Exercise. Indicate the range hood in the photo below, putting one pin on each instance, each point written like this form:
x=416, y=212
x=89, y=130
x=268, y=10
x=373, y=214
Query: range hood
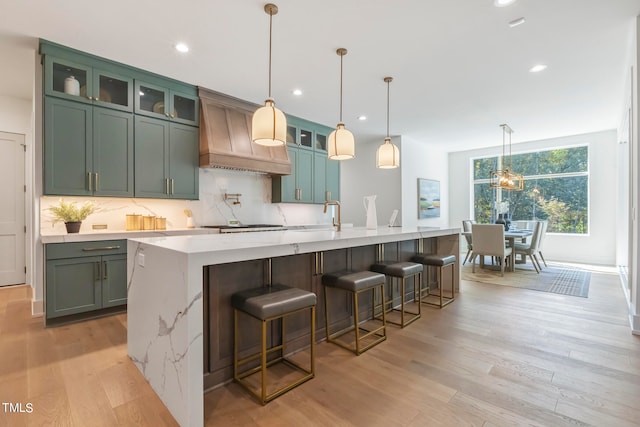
x=225, y=137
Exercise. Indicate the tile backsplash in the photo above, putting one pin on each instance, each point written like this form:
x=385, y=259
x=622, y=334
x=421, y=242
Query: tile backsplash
x=212, y=209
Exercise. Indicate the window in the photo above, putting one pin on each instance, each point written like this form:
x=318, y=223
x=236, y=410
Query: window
x=556, y=189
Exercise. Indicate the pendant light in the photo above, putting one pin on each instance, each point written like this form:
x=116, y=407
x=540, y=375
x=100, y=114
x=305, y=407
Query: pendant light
x=341, y=145
x=388, y=155
x=269, y=125
x=505, y=178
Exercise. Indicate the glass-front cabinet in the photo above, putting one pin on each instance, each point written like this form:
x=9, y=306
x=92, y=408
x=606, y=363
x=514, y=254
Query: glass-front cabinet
x=166, y=103
x=83, y=83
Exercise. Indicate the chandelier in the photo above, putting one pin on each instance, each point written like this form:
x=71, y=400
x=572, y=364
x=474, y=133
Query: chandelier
x=505, y=178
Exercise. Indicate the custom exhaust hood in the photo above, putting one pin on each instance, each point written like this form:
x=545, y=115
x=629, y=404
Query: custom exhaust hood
x=225, y=137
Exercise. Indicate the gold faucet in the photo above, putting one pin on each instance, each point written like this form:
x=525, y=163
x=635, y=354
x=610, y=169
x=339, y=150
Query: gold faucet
x=337, y=204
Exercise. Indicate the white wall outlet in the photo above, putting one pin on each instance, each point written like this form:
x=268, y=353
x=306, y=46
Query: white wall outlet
x=141, y=260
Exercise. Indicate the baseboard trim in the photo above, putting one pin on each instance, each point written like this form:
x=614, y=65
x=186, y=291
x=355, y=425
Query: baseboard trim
x=37, y=308
x=635, y=324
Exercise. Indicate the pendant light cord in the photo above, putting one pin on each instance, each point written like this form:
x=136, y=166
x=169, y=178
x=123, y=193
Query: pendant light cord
x=388, y=83
x=270, y=48
x=341, y=57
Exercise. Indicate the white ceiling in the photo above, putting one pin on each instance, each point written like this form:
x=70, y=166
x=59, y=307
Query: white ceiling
x=459, y=70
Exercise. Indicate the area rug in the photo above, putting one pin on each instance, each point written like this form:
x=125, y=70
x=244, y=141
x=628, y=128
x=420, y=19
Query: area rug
x=556, y=278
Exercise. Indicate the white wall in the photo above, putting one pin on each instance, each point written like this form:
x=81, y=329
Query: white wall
x=359, y=177
x=395, y=188
x=599, y=246
x=420, y=160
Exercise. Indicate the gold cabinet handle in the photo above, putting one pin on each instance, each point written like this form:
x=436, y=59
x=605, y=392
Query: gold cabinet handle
x=101, y=248
x=96, y=99
x=172, y=116
x=166, y=114
x=96, y=183
x=97, y=270
x=327, y=196
x=173, y=186
x=90, y=181
x=166, y=185
x=105, y=270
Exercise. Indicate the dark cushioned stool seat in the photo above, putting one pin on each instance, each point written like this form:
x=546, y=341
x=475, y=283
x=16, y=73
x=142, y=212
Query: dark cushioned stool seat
x=397, y=269
x=402, y=270
x=353, y=281
x=440, y=262
x=356, y=282
x=272, y=301
x=432, y=259
x=267, y=304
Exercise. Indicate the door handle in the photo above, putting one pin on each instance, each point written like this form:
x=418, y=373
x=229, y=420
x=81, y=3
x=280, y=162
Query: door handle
x=90, y=181
x=96, y=183
x=166, y=185
x=173, y=186
x=102, y=248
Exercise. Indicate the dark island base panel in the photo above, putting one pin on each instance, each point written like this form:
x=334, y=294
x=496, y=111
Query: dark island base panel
x=301, y=271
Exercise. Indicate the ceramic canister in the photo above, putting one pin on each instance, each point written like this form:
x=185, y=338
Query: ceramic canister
x=71, y=86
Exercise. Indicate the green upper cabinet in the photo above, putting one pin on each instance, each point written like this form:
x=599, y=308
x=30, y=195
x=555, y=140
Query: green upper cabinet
x=166, y=156
x=88, y=150
x=314, y=178
x=88, y=84
x=166, y=103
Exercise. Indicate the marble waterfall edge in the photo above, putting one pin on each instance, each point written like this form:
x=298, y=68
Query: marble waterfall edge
x=162, y=340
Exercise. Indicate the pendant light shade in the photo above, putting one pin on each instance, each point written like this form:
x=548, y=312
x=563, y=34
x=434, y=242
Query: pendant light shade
x=341, y=145
x=388, y=154
x=269, y=125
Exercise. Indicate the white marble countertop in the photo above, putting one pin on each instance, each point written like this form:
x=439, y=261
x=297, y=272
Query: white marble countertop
x=222, y=248
x=96, y=235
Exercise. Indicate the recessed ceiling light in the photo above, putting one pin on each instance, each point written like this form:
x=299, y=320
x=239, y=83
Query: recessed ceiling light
x=537, y=68
x=181, y=47
x=516, y=22
x=503, y=3
x=362, y=117
x=297, y=92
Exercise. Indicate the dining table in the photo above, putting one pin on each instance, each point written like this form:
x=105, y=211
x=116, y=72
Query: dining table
x=510, y=236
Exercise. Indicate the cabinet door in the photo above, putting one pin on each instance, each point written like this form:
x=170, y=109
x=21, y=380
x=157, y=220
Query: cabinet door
x=185, y=108
x=183, y=161
x=283, y=188
x=319, y=177
x=114, y=280
x=67, y=147
x=333, y=179
x=112, y=90
x=57, y=71
x=112, y=153
x=304, y=176
x=151, y=100
x=151, y=157
x=73, y=285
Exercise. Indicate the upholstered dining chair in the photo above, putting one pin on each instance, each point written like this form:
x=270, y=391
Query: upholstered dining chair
x=543, y=234
x=488, y=239
x=466, y=227
x=531, y=248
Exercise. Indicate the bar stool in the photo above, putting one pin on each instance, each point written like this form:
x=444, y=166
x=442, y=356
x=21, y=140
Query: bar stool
x=356, y=283
x=440, y=262
x=402, y=271
x=269, y=303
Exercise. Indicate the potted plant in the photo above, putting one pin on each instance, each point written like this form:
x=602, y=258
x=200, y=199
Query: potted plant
x=72, y=215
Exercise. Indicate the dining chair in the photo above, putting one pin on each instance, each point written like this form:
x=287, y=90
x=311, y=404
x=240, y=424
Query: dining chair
x=466, y=226
x=543, y=234
x=488, y=239
x=531, y=248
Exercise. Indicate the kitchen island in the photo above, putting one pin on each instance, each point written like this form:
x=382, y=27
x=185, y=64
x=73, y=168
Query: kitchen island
x=177, y=287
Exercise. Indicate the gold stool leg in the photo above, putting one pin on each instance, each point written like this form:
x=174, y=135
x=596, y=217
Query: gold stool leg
x=263, y=368
x=355, y=321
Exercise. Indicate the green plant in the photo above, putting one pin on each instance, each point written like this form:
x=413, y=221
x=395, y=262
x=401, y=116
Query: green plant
x=69, y=212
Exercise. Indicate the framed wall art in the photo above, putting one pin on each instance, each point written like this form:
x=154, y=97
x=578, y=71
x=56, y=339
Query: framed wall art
x=428, y=198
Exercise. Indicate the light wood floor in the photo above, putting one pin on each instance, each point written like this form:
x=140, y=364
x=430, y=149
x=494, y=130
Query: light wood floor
x=496, y=356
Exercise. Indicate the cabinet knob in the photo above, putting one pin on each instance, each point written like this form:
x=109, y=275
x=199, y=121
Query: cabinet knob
x=96, y=99
x=166, y=114
x=172, y=116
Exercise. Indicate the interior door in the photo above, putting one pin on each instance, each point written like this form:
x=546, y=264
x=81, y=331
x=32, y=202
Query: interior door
x=12, y=221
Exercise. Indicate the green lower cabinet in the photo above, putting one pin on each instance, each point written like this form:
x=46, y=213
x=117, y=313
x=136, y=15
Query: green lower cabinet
x=85, y=277
x=166, y=159
x=73, y=286
x=114, y=280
